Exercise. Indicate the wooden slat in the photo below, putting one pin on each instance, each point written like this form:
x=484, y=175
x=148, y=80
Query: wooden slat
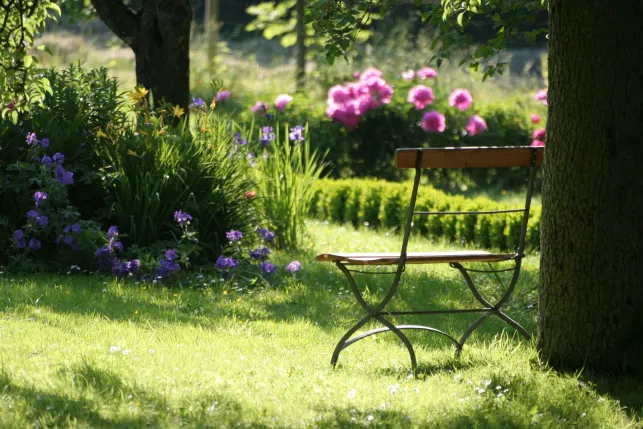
x=388, y=258
x=469, y=157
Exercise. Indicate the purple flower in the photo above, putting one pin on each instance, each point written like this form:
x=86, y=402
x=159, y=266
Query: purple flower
x=112, y=232
x=197, y=103
x=44, y=142
x=267, y=135
x=222, y=95
x=19, y=239
x=297, y=133
x=224, y=263
x=167, y=267
x=268, y=268
x=76, y=229
x=59, y=158
x=240, y=140
x=266, y=235
x=46, y=160
x=32, y=139
x=260, y=253
x=133, y=266
x=32, y=215
x=170, y=255
x=42, y=221
x=293, y=267
x=234, y=235
x=34, y=244
x=39, y=197
x=64, y=177
x=116, y=245
x=68, y=239
x=259, y=107
x=182, y=218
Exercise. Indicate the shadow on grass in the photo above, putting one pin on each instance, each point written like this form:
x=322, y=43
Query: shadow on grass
x=628, y=391
x=320, y=295
x=104, y=400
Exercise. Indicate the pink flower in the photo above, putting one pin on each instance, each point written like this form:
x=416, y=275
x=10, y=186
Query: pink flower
x=224, y=94
x=537, y=143
x=338, y=94
x=281, y=101
x=534, y=118
x=420, y=96
x=369, y=72
x=541, y=96
x=259, y=107
x=460, y=98
x=433, y=122
x=408, y=75
x=378, y=88
x=539, y=134
x=476, y=125
x=426, y=73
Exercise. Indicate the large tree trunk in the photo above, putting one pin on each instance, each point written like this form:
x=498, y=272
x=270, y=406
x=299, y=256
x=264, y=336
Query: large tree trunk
x=159, y=35
x=591, y=297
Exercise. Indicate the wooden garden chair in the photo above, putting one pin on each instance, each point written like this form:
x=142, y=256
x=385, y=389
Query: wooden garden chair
x=419, y=159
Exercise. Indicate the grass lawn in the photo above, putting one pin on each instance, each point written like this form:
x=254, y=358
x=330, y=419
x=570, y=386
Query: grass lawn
x=80, y=351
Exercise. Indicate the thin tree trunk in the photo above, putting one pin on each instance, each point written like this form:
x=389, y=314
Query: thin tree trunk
x=212, y=30
x=591, y=297
x=159, y=35
x=300, y=29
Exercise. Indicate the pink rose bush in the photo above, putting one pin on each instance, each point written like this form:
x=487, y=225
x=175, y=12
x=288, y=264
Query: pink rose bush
x=433, y=122
x=281, y=101
x=348, y=103
x=420, y=96
x=460, y=98
x=427, y=73
x=541, y=96
x=476, y=125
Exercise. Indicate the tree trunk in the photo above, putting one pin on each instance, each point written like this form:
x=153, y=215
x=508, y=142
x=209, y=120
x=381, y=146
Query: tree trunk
x=591, y=297
x=212, y=32
x=159, y=35
x=300, y=28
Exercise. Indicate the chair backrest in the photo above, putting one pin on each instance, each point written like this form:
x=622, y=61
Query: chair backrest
x=470, y=157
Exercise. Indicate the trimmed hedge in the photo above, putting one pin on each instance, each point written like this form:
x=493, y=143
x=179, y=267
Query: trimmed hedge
x=384, y=205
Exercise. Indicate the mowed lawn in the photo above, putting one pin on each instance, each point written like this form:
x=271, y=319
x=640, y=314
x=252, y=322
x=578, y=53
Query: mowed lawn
x=88, y=351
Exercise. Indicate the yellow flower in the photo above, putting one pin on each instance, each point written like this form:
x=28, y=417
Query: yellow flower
x=138, y=94
x=214, y=103
x=178, y=111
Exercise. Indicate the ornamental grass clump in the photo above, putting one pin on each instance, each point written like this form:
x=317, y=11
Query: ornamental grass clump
x=286, y=176
x=161, y=162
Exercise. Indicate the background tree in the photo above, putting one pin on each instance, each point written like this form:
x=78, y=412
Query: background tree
x=591, y=294
x=21, y=86
x=159, y=34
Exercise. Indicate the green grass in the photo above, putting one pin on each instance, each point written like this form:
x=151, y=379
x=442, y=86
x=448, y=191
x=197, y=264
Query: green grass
x=80, y=351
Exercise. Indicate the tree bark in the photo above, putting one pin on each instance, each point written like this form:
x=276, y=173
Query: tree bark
x=591, y=296
x=159, y=35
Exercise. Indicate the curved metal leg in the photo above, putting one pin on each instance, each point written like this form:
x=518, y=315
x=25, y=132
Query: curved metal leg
x=494, y=309
x=373, y=313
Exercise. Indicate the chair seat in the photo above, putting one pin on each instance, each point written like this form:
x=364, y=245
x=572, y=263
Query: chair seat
x=389, y=258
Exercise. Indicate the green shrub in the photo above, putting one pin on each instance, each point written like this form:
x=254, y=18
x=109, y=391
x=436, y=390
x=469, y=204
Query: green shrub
x=385, y=204
x=154, y=168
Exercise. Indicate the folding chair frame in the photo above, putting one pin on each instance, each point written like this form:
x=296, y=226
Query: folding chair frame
x=376, y=312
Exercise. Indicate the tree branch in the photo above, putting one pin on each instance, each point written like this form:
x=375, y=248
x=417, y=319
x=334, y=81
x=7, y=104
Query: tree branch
x=123, y=21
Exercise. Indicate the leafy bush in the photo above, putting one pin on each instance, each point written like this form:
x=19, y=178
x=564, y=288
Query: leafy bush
x=382, y=204
x=156, y=167
x=83, y=100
